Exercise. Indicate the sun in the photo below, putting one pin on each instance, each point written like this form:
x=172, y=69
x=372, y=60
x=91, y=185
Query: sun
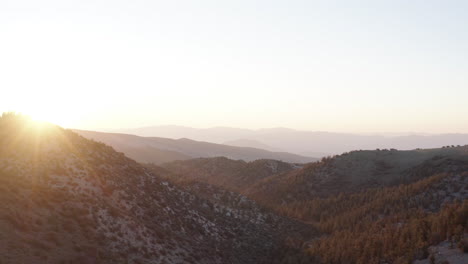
x=46, y=115
x=51, y=114
x=64, y=107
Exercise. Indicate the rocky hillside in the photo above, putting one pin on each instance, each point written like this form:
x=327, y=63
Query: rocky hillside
x=358, y=170
x=277, y=182
x=383, y=206
x=67, y=199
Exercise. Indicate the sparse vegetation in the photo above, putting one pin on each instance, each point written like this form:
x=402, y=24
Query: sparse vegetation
x=73, y=199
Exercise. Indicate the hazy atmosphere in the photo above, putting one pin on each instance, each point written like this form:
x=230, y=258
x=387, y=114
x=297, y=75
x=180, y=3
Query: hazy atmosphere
x=342, y=66
x=233, y=132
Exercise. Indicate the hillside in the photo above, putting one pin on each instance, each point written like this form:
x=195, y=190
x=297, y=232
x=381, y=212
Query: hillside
x=66, y=199
x=383, y=206
x=279, y=182
x=160, y=150
x=391, y=206
x=235, y=175
x=399, y=224
x=358, y=170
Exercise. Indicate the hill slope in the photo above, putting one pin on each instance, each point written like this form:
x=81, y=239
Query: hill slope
x=234, y=175
x=67, y=199
x=390, y=206
x=358, y=170
x=160, y=150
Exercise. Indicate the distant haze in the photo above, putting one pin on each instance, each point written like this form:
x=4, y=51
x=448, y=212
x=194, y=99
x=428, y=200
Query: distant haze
x=309, y=143
x=160, y=150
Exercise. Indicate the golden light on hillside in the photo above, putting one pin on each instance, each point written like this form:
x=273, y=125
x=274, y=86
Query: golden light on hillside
x=23, y=127
x=23, y=134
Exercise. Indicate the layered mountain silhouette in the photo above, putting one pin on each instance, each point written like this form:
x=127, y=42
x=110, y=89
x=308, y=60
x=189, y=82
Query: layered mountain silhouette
x=359, y=170
x=280, y=182
x=68, y=199
x=159, y=150
x=397, y=206
x=308, y=143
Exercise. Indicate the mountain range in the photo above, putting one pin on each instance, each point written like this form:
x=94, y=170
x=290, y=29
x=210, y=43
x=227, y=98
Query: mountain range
x=160, y=150
x=65, y=198
x=381, y=206
x=308, y=143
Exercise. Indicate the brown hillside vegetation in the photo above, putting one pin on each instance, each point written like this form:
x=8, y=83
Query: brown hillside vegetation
x=358, y=170
x=387, y=224
x=382, y=206
x=66, y=199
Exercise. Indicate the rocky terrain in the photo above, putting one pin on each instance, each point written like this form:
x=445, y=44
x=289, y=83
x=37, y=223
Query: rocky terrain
x=67, y=199
x=419, y=196
x=358, y=170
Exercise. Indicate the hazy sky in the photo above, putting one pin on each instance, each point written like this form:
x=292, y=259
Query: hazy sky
x=318, y=65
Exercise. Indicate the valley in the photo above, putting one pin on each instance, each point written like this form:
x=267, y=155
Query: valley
x=68, y=199
x=233, y=132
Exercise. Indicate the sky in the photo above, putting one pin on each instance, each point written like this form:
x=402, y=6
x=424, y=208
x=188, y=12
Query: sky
x=342, y=66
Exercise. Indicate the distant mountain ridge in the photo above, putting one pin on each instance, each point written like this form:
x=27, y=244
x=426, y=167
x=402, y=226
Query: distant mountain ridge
x=377, y=200
x=308, y=143
x=249, y=143
x=358, y=170
x=274, y=182
x=160, y=150
x=68, y=199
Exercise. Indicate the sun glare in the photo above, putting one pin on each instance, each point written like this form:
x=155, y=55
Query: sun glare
x=50, y=104
x=45, y=115
x=48, y=114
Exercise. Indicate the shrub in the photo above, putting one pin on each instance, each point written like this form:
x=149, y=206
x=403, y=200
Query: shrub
x=463, y=245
